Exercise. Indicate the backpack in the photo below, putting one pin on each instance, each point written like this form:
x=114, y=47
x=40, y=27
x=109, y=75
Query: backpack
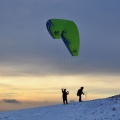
x=78, y=93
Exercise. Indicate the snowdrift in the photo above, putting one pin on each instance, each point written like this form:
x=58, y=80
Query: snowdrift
x=100, y=109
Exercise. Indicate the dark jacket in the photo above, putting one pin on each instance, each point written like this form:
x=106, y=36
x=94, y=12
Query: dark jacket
x=64, y=93
x=80, y=92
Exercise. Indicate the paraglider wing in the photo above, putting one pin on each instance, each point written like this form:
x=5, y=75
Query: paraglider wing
x=67, y=30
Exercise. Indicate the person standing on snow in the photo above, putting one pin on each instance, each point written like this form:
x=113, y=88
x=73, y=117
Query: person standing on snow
x=64, y=96
x=79, y=93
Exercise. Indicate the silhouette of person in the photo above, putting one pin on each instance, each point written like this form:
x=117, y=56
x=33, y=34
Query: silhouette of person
x=79, y=93
x=64, y=96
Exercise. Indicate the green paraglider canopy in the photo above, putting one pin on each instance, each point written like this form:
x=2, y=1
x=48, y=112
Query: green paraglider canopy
x=68, y=31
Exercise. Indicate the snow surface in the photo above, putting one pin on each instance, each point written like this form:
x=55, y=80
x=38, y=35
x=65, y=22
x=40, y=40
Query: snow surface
x=100, y=109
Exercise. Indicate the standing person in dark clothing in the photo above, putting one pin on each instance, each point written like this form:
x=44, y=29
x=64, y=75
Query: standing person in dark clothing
x=79, y=93
x=64, y=96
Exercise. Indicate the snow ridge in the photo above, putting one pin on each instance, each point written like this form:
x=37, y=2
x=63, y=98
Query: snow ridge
x=100, y=109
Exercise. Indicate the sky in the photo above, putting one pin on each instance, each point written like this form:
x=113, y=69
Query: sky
x=34, y=66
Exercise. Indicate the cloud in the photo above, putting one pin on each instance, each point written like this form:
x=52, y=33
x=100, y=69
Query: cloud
x=13, y=101
x=26, y=104
x=27, y=48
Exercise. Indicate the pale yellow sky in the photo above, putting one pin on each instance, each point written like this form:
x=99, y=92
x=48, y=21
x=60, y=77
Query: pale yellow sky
x=33, y=91
x=49, y=86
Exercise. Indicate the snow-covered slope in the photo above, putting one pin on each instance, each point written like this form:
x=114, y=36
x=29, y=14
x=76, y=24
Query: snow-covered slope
x=101, y=109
